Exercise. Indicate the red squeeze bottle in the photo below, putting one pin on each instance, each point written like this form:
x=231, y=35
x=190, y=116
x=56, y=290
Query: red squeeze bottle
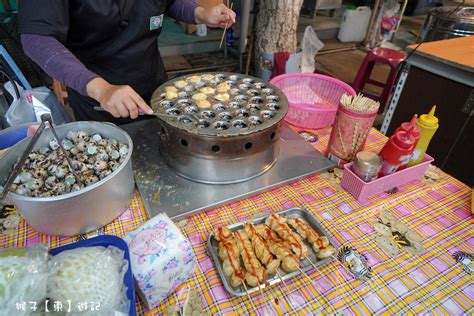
x=398, y=147
x=416, y=133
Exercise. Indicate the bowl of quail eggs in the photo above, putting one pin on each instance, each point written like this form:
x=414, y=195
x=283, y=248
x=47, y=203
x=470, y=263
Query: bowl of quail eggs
x=67, y=197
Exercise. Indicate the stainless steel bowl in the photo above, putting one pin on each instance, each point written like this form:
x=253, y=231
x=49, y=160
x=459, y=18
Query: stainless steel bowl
x=81, y=211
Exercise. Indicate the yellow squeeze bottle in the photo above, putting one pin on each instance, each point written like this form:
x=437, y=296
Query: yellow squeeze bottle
x=428, y=124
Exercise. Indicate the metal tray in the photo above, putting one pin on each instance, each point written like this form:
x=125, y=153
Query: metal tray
x=212, y=245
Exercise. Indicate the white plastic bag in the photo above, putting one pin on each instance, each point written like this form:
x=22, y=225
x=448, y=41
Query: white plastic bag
x=311, y=45
x=23, y=275
x=31, y=104
x=89, y=275
x=19, y=111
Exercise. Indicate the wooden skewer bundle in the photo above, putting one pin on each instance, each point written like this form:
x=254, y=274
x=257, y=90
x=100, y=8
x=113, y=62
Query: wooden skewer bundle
x=359, y=104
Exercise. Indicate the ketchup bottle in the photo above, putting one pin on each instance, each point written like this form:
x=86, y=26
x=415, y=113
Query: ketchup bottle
x=398, y=148
x=416, y=133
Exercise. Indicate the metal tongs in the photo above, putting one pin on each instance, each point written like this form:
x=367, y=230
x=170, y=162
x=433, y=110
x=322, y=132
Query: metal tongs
x=21, y=161
x=185, y=115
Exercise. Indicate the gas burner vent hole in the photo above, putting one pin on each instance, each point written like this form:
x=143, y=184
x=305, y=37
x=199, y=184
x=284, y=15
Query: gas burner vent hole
x=272, y=136
x=248, y=145
x=216, y=148
x=184, y=142
x=163, y=130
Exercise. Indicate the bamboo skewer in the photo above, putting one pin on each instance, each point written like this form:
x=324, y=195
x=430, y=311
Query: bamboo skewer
x=283, y=281
x=337, y=290
x=311, y=262
x=225, y=28
x=290, y=298
x=341, y=141
x=305, y=274
x=269, y=294
x=250, y=298
x=355, y=138
x=261, y=291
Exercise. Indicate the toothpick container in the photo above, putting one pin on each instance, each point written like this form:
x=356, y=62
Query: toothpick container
x=348, y=135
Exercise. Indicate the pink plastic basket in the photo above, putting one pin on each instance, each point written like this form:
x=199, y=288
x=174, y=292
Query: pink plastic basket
x=361, y=190
x=312, y=98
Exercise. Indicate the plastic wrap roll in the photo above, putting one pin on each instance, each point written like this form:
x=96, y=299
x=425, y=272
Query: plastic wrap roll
x=161, y=257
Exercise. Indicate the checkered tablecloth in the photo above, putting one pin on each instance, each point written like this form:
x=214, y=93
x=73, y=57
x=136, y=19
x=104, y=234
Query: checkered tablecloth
x=430, y=283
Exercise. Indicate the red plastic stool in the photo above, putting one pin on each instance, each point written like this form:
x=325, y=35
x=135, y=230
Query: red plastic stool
x=386, y=56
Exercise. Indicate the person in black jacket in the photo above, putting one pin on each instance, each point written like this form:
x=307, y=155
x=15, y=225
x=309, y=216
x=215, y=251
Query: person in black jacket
x=106, y=51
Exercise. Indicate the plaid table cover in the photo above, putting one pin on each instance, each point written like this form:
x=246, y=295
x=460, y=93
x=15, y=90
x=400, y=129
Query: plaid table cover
x=432, y=283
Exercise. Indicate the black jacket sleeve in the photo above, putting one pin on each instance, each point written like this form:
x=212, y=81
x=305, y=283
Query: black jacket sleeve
x=44, y=17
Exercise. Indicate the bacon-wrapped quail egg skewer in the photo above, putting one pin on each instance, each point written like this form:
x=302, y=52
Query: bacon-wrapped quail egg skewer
x=278, y=225
x=289, y=262
x=320, y=244
x=255, y=272
x=229, y=253
x=262, y=250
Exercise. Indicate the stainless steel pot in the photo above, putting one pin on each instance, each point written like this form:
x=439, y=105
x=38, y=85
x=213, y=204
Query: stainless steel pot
x=81, y=211
x=447, y=22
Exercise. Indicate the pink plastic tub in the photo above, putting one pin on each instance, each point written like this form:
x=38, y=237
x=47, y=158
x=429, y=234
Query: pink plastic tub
x=312, y=98
x=361, y=190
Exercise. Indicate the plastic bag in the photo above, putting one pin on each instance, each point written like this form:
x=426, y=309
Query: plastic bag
x=19, y=111
x=90, y=278
x=311, y=46
x=45, y=101
x=23, y=277
x=31, y=104
x=386, y=22
x=161, y=257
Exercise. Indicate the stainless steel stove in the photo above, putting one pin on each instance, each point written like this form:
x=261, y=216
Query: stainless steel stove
x=163, y=190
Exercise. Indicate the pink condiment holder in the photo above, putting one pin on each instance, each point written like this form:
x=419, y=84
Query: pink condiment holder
x=362, y=190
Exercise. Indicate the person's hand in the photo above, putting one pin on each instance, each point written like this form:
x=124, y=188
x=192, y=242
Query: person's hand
x=217, y=16
x=120, y=101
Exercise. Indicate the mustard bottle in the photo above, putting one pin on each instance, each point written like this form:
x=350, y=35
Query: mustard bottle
x=428, y=124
